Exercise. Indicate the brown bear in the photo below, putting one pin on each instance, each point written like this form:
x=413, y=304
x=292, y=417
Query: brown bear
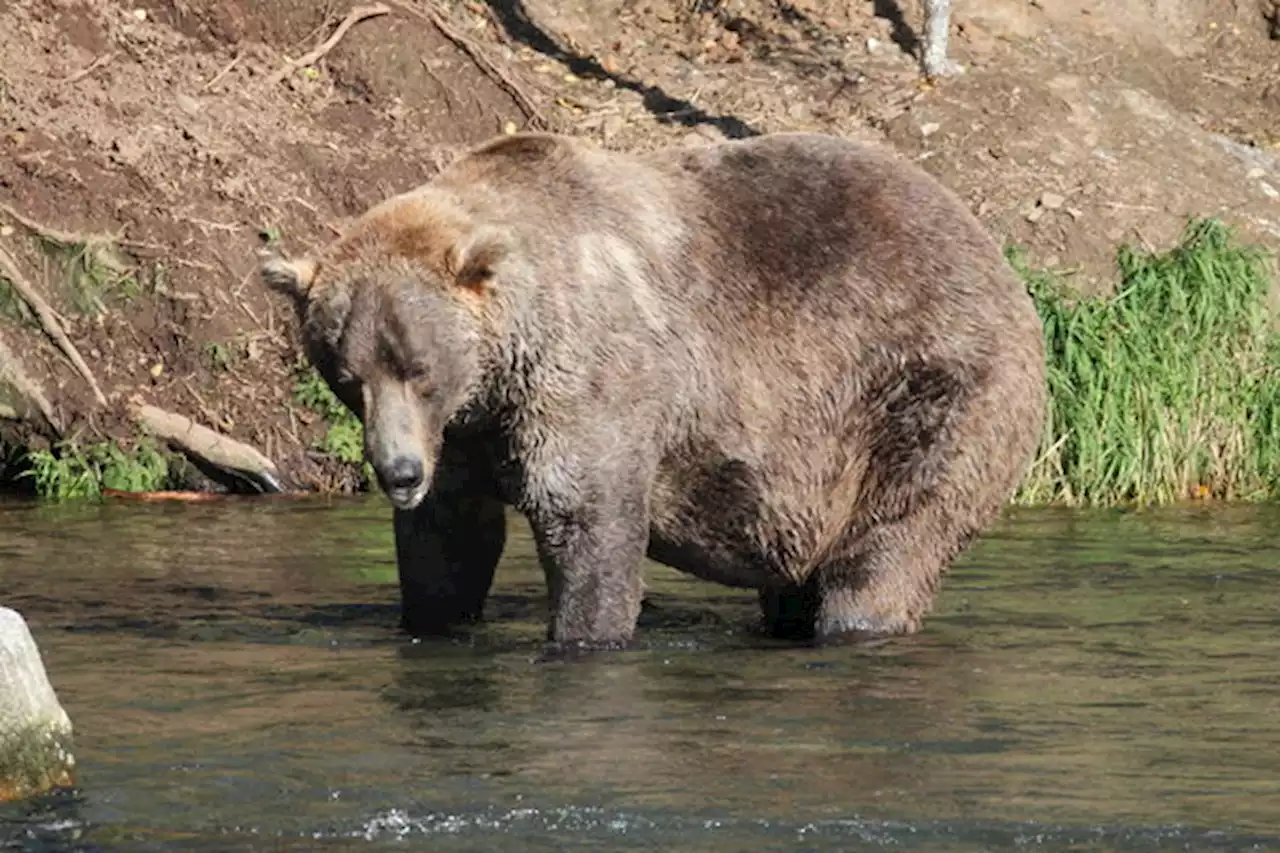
x=791, y=363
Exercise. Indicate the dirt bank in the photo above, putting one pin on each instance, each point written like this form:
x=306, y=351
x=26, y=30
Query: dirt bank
x=147, y=149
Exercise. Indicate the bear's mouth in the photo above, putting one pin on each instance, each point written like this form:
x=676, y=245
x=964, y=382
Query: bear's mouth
x=407, y=499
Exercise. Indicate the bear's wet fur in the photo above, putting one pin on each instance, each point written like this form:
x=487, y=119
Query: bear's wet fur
x=790, y=363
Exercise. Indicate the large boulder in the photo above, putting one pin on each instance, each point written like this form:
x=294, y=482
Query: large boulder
x=35, y=731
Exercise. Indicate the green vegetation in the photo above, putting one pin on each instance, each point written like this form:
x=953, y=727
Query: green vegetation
x=1167, y=389
x=344, y=440
x=70, y=471
x=221, y=356
x=93, y=273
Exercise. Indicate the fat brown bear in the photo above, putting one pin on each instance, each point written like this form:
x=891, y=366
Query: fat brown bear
x=790, y=363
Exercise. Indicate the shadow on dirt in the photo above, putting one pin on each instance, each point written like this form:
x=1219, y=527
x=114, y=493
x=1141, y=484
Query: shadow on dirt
x=518, y=24
x=902, y=33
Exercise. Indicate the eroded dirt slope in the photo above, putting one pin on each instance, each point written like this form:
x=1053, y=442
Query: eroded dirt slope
x=1077, y=125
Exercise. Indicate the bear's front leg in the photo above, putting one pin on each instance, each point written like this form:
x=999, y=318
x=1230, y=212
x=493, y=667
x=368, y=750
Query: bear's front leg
x=447, y=550
x=591, y=547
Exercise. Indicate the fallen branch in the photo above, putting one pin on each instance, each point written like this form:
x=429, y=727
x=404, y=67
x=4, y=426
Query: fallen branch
x=48, y=321
x=213, y=447
x=483, y=62
x=186, y=497
x=355, y=16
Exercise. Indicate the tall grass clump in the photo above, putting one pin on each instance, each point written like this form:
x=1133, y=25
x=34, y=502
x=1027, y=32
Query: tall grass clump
x=1165, y=390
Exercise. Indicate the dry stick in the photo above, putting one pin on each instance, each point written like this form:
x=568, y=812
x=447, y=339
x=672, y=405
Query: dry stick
x=48, y=321
x=484, y=63
x=355, y=16
x=89, y=69
x=213, y=81
x=213, y=447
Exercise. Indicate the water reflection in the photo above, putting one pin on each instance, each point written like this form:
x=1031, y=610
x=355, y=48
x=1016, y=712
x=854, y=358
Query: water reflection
x=1090, y=681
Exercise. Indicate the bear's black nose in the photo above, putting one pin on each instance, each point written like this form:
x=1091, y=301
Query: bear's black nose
x=405, y=472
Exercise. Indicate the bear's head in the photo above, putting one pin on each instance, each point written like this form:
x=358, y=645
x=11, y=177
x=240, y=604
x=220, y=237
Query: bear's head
x=398, y=315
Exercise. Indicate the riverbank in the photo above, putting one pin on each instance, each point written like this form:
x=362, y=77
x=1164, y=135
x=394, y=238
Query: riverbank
x=149, y=149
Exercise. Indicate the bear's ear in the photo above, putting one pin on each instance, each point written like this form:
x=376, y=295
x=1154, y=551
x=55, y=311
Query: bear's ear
x=471, y=260
x=291, y=277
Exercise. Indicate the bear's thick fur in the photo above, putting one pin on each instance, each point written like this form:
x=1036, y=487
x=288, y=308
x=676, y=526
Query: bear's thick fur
x=791, y=363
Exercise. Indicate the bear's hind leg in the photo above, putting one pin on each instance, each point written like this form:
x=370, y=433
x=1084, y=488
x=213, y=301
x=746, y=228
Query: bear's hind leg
x=789, y=611
x=447, y=550
x=883, y=582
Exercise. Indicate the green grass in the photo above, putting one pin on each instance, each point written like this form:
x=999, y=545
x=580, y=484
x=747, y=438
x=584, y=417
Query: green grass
x=344, y=438
x=1165, y=390
x=69, y=471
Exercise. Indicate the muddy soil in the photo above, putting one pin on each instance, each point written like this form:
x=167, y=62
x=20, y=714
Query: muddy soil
x=164, y=125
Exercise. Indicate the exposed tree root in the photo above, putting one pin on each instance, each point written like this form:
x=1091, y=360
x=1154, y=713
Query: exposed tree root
x=48, y=321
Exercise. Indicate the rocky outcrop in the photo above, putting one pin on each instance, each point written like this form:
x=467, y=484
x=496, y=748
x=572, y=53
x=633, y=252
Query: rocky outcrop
x=35, y=731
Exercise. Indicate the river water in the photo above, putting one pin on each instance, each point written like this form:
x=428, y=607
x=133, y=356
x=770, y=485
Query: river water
x=1090, y=681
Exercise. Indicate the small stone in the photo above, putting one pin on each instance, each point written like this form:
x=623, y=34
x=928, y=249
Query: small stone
x=157, y=369
x=6, y=230
x=1053, y=201
x=509, y=127
x=1034, y=214
x=873, y=44
x=140, y=14
x=929, y=129
x=1255, y=173
x=613, y=125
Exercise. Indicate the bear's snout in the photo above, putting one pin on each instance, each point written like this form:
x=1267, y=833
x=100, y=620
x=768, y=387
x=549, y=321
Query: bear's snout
x=402, y=480
x=404, y=473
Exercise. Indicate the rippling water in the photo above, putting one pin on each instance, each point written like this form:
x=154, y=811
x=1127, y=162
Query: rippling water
x=1091, y=681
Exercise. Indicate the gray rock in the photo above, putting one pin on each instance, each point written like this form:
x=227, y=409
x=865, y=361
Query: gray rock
x=35, y=731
